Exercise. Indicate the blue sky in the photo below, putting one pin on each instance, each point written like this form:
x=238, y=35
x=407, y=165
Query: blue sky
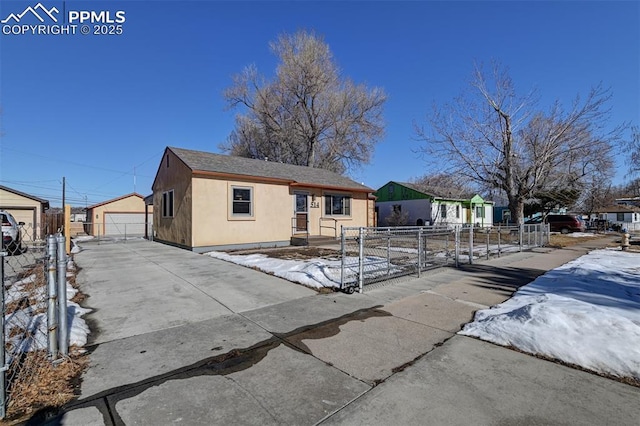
x=94, y=108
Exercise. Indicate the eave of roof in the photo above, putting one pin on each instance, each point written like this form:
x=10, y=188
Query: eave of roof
x=115, y=199
x=23, y=194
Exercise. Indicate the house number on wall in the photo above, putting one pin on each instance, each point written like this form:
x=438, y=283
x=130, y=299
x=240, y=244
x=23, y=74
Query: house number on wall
x=315, y=204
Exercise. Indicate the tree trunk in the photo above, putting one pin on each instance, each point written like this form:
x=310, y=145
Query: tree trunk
x=516, y=207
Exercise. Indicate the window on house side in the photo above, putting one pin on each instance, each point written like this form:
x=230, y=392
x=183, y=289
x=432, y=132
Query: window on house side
x=337, y=205
x=480, y=211
x=167, y=203
x=620, y=217
x=242, y=202
x=397, y=208
x=457, y=212
x=443, y=211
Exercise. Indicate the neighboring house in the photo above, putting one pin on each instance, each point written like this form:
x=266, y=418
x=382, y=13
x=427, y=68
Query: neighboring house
x=624, y=216
x=630, y=201
x=419, y=207
x=119, y=217
x=204, y=201
x=25, y=208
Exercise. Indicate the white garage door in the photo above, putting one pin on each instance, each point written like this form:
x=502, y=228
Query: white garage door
x=124, y=224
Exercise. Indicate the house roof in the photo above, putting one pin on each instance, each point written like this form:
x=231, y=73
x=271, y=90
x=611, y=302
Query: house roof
x=619, y=208
x=135, y=194
x=440, y=193
x=199, y=161
x=22, y=194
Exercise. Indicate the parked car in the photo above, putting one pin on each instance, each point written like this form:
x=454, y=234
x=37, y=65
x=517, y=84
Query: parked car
x=11, y=233
x=565, y=223
x=534, y=221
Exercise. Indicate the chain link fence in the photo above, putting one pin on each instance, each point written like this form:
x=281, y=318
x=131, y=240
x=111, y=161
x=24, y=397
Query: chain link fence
x=33, y=300
x=371, y=255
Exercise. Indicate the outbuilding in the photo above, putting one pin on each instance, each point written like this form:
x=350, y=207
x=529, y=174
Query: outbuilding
x=25, y=208
x=123, y=217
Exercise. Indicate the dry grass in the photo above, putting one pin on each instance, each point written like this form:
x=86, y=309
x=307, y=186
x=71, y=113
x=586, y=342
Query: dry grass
x=562, y=240
x=34, y=381
x=292, y=253
x=46, y=385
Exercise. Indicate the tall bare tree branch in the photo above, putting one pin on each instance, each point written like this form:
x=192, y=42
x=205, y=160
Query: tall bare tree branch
x=308, y=114
x=499, y=140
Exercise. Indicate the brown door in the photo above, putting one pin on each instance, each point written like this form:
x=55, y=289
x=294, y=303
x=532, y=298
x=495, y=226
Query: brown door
x=302, y=213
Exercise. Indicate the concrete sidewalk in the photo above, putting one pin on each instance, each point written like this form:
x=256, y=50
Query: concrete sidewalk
x=389, y=356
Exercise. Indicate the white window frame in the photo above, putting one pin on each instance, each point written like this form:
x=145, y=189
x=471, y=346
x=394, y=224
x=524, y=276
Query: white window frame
x=232, y=201
x=328, y=205
x=168, y=201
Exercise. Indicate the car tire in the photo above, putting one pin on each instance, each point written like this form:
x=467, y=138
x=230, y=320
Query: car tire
x=564, y=231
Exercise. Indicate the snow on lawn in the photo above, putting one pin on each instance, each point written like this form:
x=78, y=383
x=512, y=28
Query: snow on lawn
x=586, y=312
x=581, y=234
x=315, y=273
x=33, y=318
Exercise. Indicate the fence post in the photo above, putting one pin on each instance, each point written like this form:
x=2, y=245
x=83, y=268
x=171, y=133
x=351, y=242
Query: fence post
x=471, y=244
x=520, y=232
x=456, y=238
x=388, y=251
x=499, y=248
x=3, y=367
x=52, y=311
x=360, y=259
x=420, y=257
x=343, y=249
x=488, y=232
x=63, y=332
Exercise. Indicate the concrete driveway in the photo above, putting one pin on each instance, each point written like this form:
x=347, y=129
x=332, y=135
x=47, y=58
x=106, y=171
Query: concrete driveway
x=198, y=353
x=139, y=286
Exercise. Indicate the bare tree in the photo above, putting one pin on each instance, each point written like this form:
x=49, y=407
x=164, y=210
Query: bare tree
x=443, y=184
x=497, y=139
x=397, y=218
x=308, y=114
x=634, y=148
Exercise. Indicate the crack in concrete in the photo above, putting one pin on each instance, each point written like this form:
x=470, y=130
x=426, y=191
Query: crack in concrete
x=235, y=360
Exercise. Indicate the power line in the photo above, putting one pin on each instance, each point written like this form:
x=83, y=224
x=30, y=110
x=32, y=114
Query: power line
x=74, y=163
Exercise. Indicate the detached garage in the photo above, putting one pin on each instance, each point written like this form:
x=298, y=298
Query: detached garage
x=25, y=208
x=120, y=217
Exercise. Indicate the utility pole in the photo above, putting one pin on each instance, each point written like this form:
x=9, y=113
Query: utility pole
x=63, y=192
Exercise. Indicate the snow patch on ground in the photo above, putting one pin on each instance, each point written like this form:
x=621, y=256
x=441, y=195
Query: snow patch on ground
x=586, y=312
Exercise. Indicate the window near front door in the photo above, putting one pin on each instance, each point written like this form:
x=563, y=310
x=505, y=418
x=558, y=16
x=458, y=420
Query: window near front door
x=457, y=212
x=620, y=217
x=443, y=211
x=242, y=201
x=479, y=212
x=167, y=204
x=337, y=205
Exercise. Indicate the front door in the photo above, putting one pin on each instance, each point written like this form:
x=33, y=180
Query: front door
x=302, y=212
